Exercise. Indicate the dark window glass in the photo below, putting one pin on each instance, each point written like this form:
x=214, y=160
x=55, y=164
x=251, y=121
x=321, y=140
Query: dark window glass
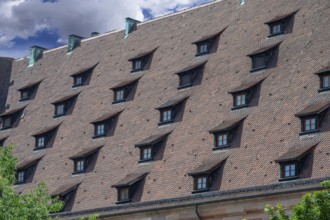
x=325, y=82
x=222, y=140
x=100, y=129
x=41, y=142
x=146, y=153
x=137, y=65
x=290, y=170
x=310, y=124
x=240, y=100
x=123, y=194
x=80, y=165
x=6, y=122
x=186, y=80
x=78, y=80
x=20, y=176
x=166, y=115
x=259, y=61
x=25, y=94
x=120, y=95
x=203, y=48
x=276, y=28
x=60, y=109
x=201, y=183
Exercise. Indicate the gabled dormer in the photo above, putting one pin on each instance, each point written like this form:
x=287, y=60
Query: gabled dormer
x=26, y=168
x=149, y=146
x=83, y=76
x=191, y=75
x=29, y=91
x=64, y=106
x=169, y=111
x=264, y=57
x=124, y=91
x=66, y=193
x=204, y=175
x=142, y=61
x=11, y=118
x=127, y=187
x=312, y=116
x=45, y=137
x=244, y=93
x=208, y=43
x=281, y=24
x=105, y=125
x=226, y=132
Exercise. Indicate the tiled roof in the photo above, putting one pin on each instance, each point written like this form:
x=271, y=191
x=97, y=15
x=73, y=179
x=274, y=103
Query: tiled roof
x=210, y=36
x=47, y=129
x=227, y=125
x=85, y=69
x=65, y=189
x=29, y=85
x=248, y=83
x=208, y=166
x=192, y=67
x=143, y=54
x=130, y=179
x=27, y=162
x=13, y=111
x=151, y=140
x=106, y=116
x=314, y=108
x=67, y=97
x=264, y=49
x=173, y=102
x=125, y=83
x=281, y=17
x=86, y=152
x=296, y=153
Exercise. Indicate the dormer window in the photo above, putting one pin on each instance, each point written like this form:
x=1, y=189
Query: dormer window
x=124, y=91
x=224, y=133
x=149, y=146
x=312, y=116
x=103, y=125
x=45, y=138
x=191, y=75
x=243, y=94
x=82, y=77
x=280, y=24
x=141, y=61
x=205, y=174
x=83, y=159
x=28, y=91
x=25, y=169
x=207, y=44
x=263, y=57
x=64, y=106
x=169, y=110
x=11, y=118
x=324, y=76
x=66, y=193
x=292, y=162
x=2, y=140
x=126, y=187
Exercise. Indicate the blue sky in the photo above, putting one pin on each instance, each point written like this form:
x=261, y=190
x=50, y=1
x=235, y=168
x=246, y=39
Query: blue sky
x=47, y=23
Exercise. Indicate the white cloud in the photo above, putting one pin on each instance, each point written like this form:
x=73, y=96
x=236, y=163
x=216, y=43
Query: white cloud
x=24, y=18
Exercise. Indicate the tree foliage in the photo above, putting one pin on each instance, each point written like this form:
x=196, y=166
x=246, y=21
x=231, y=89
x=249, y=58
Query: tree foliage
x=313, y=206
x=37, y=204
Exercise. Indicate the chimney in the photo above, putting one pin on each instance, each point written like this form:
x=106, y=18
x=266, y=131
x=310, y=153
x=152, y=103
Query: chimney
x=93, y=34
x=74, y=41
x=130, y=26
x=35, y=54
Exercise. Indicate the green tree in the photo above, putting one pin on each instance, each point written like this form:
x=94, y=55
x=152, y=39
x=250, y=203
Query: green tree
x=313, y=206
x=37, y=204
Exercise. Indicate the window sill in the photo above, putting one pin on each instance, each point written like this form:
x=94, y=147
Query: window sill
x=24, y=100
x=39, y=148
x=257, y=69
x=137, y=70
x=146, y=160
x=273, y=35
x=201, y=54
x=184, y=86
x=324, y=89
x=309, y=132
x=241, y=106
x=221, y=147
x=99, y=136
x=288, y=178
x=123, y=202
x=19, y=183
x=78, y=172
x=76, y=86
x=6, y=128
x=200, y=190
x=165, y=122
x=58, y=116
x=119, y=101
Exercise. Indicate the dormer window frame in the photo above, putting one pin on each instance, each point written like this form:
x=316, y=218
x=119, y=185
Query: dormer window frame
x=261, y=58
x=7, y=122
x=288, y=168
x=21, y=176
x=273, y=27
x=124, y=195
x=25, y=94
x=60, y=109
x=101, y=129
x=200, y=181
x=120, y=95
x=191, y=75
x=238, y=102
x=224, y=141
x=310, y=124
x=167, y=115
x=80, y=165
x=41, y=142
x=78, y=80
x=324, y=76
x=204, y=47
x=138, y=64
x=147, y=153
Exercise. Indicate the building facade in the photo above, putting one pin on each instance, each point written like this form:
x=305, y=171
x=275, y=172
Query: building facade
x=208, y=113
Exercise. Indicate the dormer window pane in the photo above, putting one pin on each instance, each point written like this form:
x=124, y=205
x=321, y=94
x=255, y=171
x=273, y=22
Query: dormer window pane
x=186, y=79
x=167, y=116
x=124, y=194
x=119, y=95
x=40, y=142
x=290, y=170
x=146, y=154
x=80, y=165
x=325, y=81
x=310, y=124
x=201, y=183
x=259, y=61
x=21, y=177
x=137, y=65
x=60, y=109
x=277, y=29
x=100, y=129
x=25, y=94
x=222, y=140
x=203, y=48
x=6, y=122
x=240, y=100
x=78, y=80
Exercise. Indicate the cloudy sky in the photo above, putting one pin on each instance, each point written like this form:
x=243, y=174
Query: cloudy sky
x=47, y=23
